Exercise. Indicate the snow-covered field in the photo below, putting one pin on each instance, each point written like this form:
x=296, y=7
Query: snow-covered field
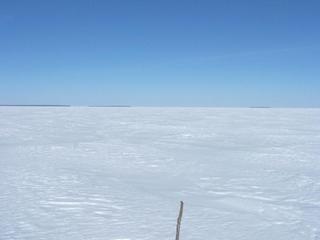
x=119, y=173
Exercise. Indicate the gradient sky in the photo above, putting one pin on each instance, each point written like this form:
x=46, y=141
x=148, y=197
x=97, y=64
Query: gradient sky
x=160, y=53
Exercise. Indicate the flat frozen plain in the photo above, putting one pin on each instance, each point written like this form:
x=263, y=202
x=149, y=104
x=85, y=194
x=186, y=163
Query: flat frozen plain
x=119, y=173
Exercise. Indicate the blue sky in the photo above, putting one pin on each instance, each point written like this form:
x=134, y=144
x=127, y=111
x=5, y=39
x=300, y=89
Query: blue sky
x=160, y=53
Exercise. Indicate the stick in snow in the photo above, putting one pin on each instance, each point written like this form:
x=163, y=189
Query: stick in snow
x=179, y=220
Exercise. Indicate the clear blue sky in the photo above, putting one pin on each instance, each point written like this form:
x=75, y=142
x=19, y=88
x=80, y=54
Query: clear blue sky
x=160, y=53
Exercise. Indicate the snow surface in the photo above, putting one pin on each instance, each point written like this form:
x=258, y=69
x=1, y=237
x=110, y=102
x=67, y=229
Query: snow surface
x=119, y=173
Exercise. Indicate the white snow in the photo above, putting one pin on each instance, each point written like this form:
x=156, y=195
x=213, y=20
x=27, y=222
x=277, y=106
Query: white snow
x=119, y=173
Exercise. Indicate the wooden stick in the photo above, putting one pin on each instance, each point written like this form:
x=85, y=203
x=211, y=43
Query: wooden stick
x=179, y=221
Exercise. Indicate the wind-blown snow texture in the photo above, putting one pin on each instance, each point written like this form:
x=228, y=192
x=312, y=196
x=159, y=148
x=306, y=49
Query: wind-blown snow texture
x=119, y=173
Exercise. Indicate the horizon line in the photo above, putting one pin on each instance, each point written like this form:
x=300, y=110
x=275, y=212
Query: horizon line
x=156, y=106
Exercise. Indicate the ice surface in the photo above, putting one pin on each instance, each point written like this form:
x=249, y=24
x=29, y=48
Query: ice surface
x=119, y=173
